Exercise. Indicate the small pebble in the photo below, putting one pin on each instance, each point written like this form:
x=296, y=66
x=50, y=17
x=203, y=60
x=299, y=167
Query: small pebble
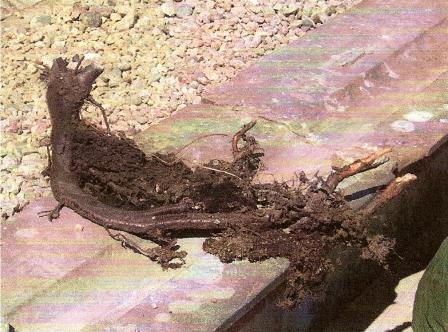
x=183, y=10
x=79, y=228
x=168, y=8
x=92, y=19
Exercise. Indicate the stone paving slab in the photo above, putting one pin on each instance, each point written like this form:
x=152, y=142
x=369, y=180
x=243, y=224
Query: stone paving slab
x=70, y=276
x=36, y=254
x=380, y=100
x=412, y=125
x=341, y=62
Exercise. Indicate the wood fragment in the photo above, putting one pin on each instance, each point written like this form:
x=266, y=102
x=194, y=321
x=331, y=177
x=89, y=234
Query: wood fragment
x=91, y=100
x=393, y=189
x=240, y=134
x=358, y=166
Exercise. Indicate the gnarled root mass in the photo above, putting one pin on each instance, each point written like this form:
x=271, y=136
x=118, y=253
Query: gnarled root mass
x=108, y=180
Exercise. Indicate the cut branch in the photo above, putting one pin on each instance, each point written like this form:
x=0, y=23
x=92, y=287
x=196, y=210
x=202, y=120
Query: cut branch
x=393, y=189
x=358, y=166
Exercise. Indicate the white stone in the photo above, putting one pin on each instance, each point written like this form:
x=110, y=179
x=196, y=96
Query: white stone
x=418, y=116
x=403, y=125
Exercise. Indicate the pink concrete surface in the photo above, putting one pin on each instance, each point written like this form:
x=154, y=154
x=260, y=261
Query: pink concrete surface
x=69, y=275
x=35, y=253
x=374, y=77
x=368, y=48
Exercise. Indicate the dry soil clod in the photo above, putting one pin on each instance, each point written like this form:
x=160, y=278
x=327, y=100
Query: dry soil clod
x=110, y=181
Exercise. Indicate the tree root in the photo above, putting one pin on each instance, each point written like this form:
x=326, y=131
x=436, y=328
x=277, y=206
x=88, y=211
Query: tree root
x=109, y=181
x=393, y=189
x=91, y=100
x=241, y=135
x=53, y=213
x=358, y=166
x=162, y=255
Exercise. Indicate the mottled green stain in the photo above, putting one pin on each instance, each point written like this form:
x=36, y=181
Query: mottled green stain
x=431, y=300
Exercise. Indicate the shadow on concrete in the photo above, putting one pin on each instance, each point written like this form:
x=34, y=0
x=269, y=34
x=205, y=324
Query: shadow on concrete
x=401, y=327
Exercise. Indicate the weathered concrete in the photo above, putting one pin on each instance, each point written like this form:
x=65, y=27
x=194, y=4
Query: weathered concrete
x=71, y=276
x=374, y=77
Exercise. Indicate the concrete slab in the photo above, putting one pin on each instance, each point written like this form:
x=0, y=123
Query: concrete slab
x=399, y=313
x=412, y=125
x=70, y=276
x=373, y=45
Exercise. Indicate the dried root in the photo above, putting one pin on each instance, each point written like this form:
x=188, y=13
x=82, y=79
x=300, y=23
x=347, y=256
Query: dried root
x=91, y=100
x=114, y=184
x=358, y=166
x=164, y=255
x=393, y=189
x=241, y=134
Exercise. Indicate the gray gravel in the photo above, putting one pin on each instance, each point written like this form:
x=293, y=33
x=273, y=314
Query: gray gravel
x=158, y=58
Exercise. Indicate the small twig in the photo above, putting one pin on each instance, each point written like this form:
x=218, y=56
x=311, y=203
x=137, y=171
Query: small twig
x=220, y=171
x=158, y=254
x=358, y=166
x=236, y=138
x=91, y=100
x=79, y=60
x=127, y=243
x=392, y=190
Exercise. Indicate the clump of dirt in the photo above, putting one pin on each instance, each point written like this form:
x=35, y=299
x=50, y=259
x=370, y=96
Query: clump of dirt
x=301, y=222
x=119, y=174
x=305, y=223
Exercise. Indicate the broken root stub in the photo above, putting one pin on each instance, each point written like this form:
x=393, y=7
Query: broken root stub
x=358, y=166
x=110, y=181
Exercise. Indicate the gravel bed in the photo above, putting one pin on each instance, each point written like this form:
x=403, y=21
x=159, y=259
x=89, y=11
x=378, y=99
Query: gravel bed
x=158, y=57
